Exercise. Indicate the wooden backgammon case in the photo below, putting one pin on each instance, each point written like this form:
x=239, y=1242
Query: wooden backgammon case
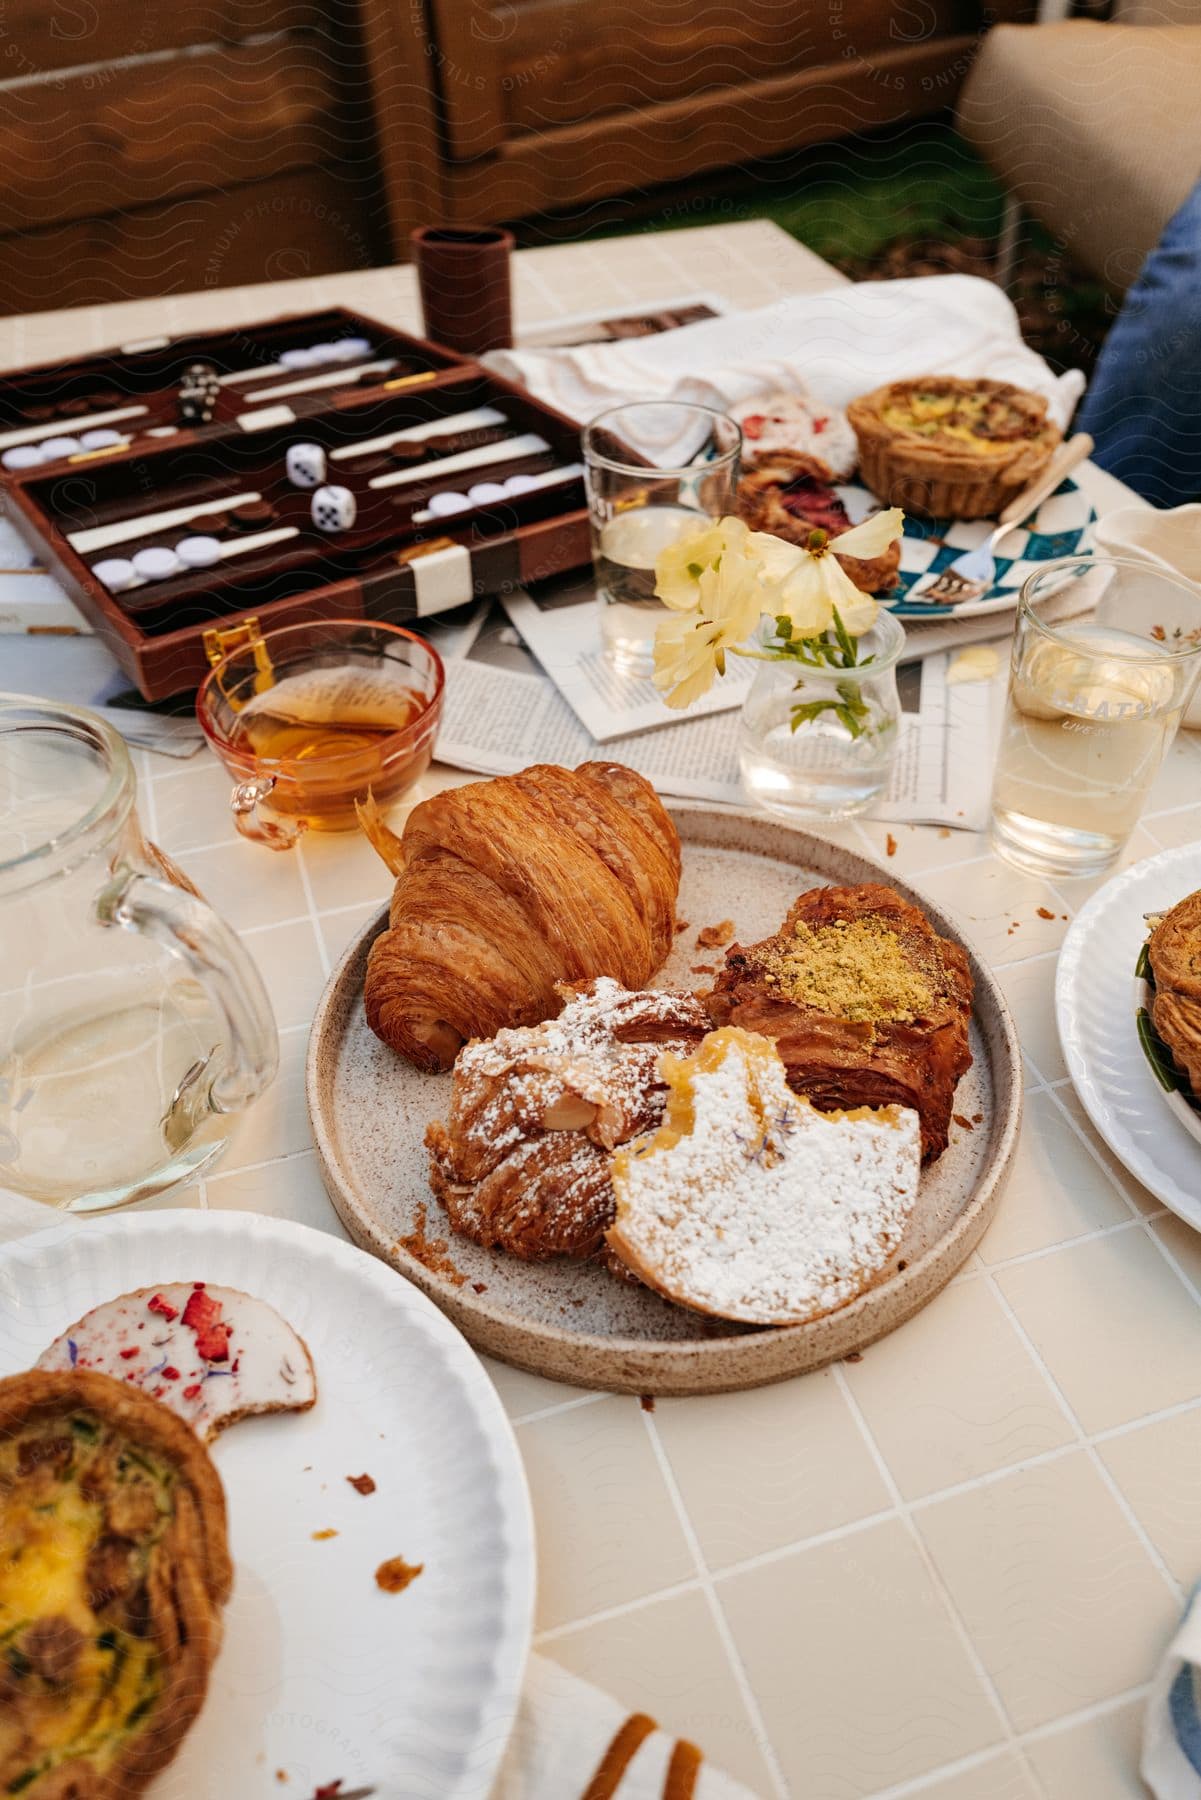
x=400, y=421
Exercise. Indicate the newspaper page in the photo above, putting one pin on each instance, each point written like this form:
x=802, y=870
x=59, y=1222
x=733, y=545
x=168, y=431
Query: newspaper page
x=503, y=712
x=560, y=621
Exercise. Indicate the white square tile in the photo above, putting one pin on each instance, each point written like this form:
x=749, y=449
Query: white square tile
x=1055, y=1190
x=792, y=1463
x=1041, y=1563
x=278, y=1122
x=1094, y=1761
x=955, y=1394
x=1158, y=1469
x=1000, y=1778
x=289, y=1189
x=1116, y=1327
x=860, y=1674
x=1029, y=990
x=290, y=962
x=607, y=1527
x=247, y=884
x=998, y=908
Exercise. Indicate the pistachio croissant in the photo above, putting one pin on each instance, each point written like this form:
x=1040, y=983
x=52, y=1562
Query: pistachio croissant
x=504, y=888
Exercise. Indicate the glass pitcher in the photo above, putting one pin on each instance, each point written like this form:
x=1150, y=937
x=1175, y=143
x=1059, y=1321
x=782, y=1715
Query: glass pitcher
x=133, y=1025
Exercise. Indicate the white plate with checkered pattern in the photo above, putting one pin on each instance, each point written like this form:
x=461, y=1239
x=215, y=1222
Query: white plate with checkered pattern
x=1061, y=526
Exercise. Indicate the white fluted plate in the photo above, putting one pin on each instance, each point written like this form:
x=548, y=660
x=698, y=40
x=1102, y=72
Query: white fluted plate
x=1095, y=1006
x=321, y=1674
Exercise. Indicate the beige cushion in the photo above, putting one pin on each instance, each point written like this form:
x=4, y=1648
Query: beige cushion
x=1095, y=128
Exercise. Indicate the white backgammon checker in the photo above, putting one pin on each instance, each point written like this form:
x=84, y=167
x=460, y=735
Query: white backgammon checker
x=116, y=572
x=156, y=563
x=199, y=552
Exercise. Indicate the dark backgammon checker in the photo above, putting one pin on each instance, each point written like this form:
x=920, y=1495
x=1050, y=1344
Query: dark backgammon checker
x=391, y=498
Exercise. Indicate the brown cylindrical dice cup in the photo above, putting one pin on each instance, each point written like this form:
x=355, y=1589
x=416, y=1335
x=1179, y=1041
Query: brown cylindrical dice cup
x=466, y=297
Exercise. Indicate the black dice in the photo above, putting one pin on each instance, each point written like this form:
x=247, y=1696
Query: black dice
x=199, y=388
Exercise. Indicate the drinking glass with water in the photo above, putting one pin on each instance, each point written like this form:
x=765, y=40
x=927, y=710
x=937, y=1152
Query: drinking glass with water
x=1093, y=706
x=655, y=471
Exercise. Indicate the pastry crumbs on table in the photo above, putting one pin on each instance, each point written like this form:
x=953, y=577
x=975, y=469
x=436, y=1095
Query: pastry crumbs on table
x=712, y=937
x=963, y=1123
x=362, y=1484
x=320, y=1537
x=702, y=968
x=395, y=1575
x=890, y=845
x=1044, y=912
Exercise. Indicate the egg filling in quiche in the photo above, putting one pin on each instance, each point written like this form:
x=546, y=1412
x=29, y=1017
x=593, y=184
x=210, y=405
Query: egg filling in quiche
x=113, y=1568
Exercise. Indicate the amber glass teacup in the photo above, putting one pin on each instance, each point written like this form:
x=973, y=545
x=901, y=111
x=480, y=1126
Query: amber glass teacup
x=309, y=718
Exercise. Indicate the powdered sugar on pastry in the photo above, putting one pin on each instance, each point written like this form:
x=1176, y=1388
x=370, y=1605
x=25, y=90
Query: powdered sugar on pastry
x=212, y=1354
x=796, y=421
x=749, y=1204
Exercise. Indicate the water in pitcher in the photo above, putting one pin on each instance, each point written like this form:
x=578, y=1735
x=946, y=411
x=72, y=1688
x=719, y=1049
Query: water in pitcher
x=625, y=551
x=1084, y=734
x=94, y=1095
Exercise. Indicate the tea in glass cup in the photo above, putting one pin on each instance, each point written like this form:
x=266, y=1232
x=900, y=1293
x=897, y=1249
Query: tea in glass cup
x=310, y=718
x=1093, y=706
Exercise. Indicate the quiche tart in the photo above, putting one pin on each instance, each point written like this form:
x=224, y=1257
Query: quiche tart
x=951, y=448
x=114, y=1566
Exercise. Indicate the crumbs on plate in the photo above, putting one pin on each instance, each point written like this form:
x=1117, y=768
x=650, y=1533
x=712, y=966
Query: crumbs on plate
x=395, y=1575
x=362, y=1484
x=712, y=937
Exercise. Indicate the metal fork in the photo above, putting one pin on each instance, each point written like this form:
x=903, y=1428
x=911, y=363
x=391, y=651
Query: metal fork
x=973, y=573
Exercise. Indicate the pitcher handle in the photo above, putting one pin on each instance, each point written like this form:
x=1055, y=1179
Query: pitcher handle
x=257, y=821
x=191, y=930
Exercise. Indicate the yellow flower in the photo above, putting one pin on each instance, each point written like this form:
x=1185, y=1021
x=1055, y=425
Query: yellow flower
x=690, y=647
x=679, y=568
x=819, y=583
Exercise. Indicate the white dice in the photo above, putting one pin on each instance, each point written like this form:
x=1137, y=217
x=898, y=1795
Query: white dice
x=305, y=465
x=333, y=509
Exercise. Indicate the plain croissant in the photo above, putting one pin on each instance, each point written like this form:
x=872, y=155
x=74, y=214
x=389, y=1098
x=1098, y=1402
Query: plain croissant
x=504, y=888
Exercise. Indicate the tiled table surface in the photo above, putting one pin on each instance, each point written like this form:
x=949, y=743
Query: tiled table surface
x=945, y=1570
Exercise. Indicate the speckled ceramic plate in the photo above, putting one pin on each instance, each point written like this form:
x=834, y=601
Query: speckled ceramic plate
x=571, y=1321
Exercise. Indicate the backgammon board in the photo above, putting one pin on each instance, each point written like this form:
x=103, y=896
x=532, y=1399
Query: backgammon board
x=405, y=482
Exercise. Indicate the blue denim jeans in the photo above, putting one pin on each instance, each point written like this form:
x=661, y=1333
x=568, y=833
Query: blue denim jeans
x=1143, y=404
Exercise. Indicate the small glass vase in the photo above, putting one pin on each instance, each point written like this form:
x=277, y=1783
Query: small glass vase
x=824, y=769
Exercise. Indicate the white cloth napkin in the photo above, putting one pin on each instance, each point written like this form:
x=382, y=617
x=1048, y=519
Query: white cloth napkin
x=565, y=1726
x=838, y=344
x=1171, y=1765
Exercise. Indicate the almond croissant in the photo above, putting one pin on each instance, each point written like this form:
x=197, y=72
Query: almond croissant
x=506, y=887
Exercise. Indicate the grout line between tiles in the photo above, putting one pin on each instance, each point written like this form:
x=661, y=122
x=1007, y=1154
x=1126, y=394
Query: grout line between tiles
x=307, y=885
x=1085, y=1442
x=934, y=1574
x=742, y=1680
x=560, y=1406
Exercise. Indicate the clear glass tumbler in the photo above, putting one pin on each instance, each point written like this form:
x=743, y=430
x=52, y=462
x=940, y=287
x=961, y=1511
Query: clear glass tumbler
x=655, y=470
x=1093, y=706
x=134, y=1027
